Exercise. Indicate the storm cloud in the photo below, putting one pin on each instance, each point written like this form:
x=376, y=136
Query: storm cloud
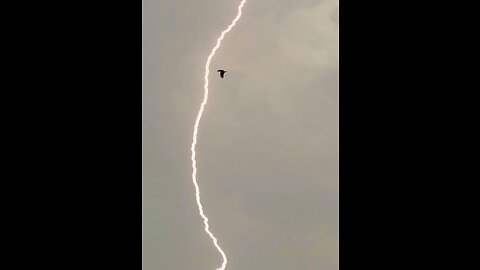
x=267, y=147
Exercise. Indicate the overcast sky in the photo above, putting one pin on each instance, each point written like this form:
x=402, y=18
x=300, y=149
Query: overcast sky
x=267, y=147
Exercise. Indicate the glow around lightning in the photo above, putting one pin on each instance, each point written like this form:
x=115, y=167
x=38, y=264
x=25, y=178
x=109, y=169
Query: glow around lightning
x=195, y=131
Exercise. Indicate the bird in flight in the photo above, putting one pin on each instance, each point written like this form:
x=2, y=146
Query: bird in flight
x=222, y=72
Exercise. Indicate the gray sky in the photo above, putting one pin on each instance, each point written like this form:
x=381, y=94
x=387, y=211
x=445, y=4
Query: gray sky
x=267, y=147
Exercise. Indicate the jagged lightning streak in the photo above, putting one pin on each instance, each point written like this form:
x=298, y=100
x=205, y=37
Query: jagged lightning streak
x=195, y=131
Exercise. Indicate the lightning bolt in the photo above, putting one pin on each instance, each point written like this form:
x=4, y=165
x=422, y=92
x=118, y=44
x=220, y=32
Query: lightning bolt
x=195, y=132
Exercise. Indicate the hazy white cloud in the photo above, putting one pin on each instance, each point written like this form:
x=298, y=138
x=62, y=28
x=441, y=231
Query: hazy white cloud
x=268, y=141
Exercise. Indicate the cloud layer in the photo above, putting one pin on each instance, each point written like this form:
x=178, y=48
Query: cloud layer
x=268, y=141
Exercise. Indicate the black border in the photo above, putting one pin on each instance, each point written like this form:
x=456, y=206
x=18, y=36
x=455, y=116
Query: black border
x=79, y=131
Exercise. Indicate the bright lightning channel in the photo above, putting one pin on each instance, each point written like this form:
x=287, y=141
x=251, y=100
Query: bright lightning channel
x=195, y=131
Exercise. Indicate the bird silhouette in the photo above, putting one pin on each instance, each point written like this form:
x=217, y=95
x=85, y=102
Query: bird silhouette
x=222, y=72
